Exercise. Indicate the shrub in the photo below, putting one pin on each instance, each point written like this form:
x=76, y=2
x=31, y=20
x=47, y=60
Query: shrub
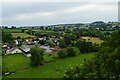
x=73, y=51
x=62, y=54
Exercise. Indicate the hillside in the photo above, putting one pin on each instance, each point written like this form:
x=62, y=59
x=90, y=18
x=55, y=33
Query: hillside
x=50, y=70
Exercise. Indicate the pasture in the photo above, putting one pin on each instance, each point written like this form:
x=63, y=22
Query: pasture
x=12, y=30
x=93, y=39
x=43, y=31
x=50, y=70
x=15, y=35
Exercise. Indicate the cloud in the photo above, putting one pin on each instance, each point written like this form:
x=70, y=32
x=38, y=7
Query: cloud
x=81, y=8
x=59, y=0
x=47, y=13
x=30, y=16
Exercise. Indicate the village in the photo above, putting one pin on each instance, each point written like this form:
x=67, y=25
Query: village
x=26, y=45
x=35, y=48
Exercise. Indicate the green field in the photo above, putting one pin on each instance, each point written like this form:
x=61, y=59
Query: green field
x=44, y=31
x=12, y=30
x=15, y=35
x=15, y=62
x=50, y=70
x=93, y=39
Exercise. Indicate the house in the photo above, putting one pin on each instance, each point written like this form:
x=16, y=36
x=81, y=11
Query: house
x=26, y=49
x=8, y=46
x=40, y=38
x=35, y=40
x=48, y=50
x=97, y=28
x=17, y=41
x=29, y=41
x=12, y=45
x=5, y=46
x=82, y=39
x=13, y=50
x=55, y=40
x=45, y=38
x=61, y=37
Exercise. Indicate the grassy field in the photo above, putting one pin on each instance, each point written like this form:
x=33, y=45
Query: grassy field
x=50, y=70
x=15, y=62
x=12, y=30
x=15, y=35
x=93, y=39
x=44, y=31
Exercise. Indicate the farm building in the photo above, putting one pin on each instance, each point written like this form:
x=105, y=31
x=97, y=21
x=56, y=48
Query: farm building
x=26, y=49
x=17, y=41
x=82, y=39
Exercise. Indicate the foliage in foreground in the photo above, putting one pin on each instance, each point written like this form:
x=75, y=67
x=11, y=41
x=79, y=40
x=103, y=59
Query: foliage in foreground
x=106, y=63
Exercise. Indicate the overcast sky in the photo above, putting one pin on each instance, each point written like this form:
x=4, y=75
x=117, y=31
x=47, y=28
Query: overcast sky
x=48, y=13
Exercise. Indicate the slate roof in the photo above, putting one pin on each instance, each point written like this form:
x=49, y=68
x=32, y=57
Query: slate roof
x=26, y=48
x=12, y=49
x=12, y=45
x=55, y=39
x=19, y=40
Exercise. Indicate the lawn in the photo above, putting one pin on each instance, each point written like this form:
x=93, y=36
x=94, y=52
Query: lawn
x=93, y=39
x=50, y=70
x=15, y=35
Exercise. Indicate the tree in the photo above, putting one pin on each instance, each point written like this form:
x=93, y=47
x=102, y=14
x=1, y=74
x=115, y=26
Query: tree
x=67, y=39
x=23, y=31
x=73, y=51
x=42, y=42
x=6, y=37
x=29, y=32
x=18, y=37
x=62, y=44
x=20, y=44
x=36, y=56
x=41, y=27
x=73, y=37
x=85, y=47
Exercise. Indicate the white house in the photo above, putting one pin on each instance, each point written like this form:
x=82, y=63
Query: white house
x=13, y=50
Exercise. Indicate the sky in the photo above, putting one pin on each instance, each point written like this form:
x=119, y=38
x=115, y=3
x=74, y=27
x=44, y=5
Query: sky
x=50, y=13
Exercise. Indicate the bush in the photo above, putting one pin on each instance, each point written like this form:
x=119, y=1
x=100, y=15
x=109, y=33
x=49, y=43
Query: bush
x=62, y=54
x=73, y=51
